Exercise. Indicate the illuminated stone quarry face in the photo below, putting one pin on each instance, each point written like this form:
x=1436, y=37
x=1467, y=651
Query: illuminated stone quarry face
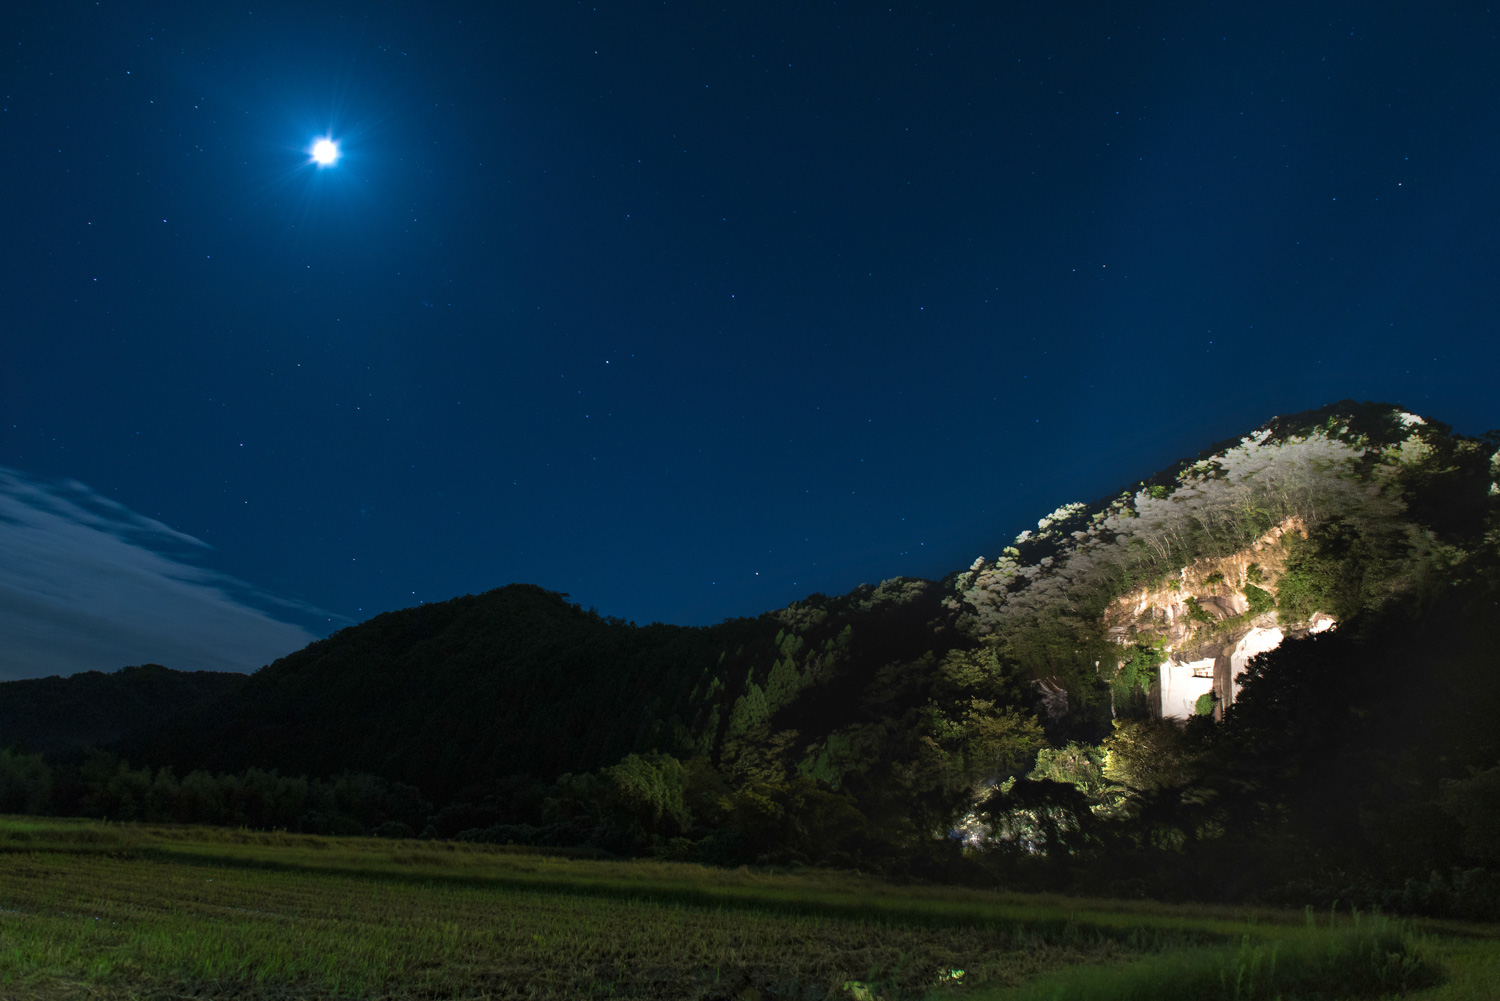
x=1182, y=684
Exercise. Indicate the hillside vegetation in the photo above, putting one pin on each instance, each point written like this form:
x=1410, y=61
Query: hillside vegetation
x=997, y=724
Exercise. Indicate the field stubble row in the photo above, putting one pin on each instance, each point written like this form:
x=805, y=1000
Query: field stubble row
x=175, y=912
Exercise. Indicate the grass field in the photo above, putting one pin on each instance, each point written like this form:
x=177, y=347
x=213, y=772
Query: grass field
x=109, y=911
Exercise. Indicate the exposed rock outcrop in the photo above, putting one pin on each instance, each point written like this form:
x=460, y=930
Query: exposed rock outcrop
x=1169, y=536
x=1205, y=621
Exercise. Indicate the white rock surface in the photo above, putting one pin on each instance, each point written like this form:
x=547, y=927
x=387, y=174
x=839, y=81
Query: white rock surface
x=1321, y=623
x=1182, y=684
x=1256, y=641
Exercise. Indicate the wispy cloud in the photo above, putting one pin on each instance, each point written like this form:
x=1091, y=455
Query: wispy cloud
x=88, y=584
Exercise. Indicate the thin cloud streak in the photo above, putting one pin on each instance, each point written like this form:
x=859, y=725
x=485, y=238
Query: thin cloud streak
x=88, y=584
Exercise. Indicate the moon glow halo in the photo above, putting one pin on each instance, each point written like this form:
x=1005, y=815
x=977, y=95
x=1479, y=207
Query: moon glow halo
x=325, y=152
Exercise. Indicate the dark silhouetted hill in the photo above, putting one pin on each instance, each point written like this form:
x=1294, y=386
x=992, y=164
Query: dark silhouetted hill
x=519, y=681
x=61, y=716
x=446, y=695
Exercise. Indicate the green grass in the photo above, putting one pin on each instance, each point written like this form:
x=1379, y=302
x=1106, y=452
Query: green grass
x=1471, y=968
x=1369, y=959
x=110, y=911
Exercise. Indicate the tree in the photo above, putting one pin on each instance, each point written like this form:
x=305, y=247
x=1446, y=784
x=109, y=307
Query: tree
x=1147, y=755
x=1039, y=817
x=649, y=792
x=25, y=783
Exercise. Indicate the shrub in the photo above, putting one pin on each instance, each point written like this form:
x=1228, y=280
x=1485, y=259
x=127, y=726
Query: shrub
x=1136, y=674
x=1197, y=612
x=1146, y=755
x=1259, y=599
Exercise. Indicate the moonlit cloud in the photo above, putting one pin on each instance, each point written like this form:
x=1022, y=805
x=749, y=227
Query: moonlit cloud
x=87, y=584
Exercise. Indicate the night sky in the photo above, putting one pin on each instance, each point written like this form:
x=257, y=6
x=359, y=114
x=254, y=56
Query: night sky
x=685, y=311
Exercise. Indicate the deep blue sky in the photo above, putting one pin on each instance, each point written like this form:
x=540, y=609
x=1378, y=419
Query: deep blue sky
x=691, y=312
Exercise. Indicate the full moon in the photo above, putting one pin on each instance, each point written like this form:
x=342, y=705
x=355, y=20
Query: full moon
x=325, y=152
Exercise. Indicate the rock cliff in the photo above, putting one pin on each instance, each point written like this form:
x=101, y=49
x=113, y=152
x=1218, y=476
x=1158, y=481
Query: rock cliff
x=1222, y=557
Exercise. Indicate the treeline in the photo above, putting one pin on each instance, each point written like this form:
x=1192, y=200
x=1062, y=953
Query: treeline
x=655, y=805
x=646, y=805
x=101, y=785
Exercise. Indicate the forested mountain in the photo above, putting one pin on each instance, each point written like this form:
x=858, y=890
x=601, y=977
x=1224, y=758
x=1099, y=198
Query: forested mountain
x=1314, y=601
x=453, y=694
